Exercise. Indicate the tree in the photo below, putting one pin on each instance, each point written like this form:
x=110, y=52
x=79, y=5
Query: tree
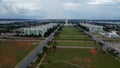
x=41, y=66
x=54, y=47
x=55, y=43
x=45, y=48
x=49, y=61
x=49, y=43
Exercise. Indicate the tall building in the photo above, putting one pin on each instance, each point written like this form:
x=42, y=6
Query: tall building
x=66, y=22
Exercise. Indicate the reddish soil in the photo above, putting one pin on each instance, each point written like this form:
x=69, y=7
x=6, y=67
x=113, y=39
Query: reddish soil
x=89, y=60
x=94, y=52
x=11, y=52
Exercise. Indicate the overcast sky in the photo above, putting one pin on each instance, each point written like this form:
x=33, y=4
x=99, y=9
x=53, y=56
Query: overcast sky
x=60, y=9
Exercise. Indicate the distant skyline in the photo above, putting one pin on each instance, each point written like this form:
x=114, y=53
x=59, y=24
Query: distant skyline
x=60, y=9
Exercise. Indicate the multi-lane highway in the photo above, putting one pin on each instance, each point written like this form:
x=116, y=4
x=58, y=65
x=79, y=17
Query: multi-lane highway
x=29, y=58
x=106, y=45
x=98, y=40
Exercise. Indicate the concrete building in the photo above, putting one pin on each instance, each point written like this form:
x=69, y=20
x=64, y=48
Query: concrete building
x=112, y=34
x=39, y=30
x=67, y=23
x=34, y=31
x=93, y=28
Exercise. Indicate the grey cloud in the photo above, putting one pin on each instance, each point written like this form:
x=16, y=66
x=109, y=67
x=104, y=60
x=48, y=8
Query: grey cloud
x=57, y=9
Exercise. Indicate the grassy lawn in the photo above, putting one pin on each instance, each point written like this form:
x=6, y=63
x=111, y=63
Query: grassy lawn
x=84, y=44
x=70, y=30
x=12, y=52
x=72, y=33
x=73, y=37
x=78, y=58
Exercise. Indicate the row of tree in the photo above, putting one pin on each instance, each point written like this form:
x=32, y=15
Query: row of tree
x=83, y=27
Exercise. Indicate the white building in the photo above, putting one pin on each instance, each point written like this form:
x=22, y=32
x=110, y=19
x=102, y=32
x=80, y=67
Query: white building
x=39, y=30
x=66, y=22
x=112, y=34
x=93, y=28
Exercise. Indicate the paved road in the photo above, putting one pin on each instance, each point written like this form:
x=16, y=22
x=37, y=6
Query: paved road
x=105, y=45
x=93, y=36
x=28, y=59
